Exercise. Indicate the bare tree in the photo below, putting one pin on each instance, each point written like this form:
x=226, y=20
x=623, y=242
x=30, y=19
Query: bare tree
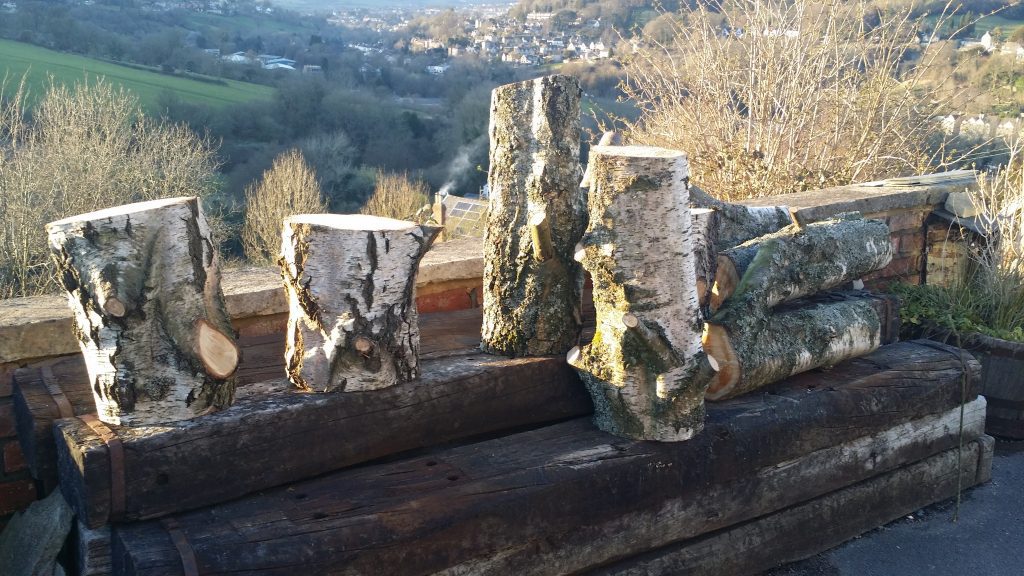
x=398, y=196
x=85, y=148
x=777, y=96
x=289, y=187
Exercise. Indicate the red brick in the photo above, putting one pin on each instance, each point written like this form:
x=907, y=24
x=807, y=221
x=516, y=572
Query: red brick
x=449, y=300
x=907, y=220
x=16, y=495
x=6, y=418
x=6, y=382
x=14, y=460
x=911, y=244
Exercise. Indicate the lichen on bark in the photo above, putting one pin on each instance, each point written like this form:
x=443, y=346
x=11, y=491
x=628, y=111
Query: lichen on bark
x=531, y=298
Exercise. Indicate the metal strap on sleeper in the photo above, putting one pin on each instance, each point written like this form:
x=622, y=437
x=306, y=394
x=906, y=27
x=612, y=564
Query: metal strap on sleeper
x=115, y=449
x=185, y=551
x=64, y=409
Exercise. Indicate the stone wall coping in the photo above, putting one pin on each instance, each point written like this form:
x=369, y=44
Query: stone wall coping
x=41, y=326
x=868, y=199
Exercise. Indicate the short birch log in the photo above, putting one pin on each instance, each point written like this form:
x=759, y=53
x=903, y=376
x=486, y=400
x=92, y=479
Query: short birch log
x=351, y=283
x=144, y=286
x=644, y=368
x=532, y=286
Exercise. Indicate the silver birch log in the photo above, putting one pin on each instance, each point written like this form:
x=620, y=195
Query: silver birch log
x=644, y=368
x=532, y=286
x=758, y=348
x=739, y=223
x=800, y=261
x=351, y=281
x=144, y=286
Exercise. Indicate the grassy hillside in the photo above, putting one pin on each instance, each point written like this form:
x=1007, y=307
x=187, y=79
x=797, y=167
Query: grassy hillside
x=17, y=58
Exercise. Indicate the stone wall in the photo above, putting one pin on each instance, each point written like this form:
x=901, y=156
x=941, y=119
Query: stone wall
x=32, y=329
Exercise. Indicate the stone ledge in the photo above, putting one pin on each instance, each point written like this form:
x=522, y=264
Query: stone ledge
x=870, y=200
x=40, y=326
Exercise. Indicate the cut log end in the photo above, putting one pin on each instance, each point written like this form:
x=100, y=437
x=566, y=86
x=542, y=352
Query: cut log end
x=630, y=320
x=579, y=252
x=540, y=234
x=363, y=345
x=726, y=280
x=722, y=358
x=114, y=307
x=573, y=356
x=218, y=353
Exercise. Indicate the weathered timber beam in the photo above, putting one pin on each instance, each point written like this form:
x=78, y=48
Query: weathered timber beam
x=271, y=440
x=537, y=212
x=37, y=402
x=144, y=284
x=644, y=367
x=351, y=282
x=820, y=524
x=754, y=350
x=526, y=503
x=797, y=262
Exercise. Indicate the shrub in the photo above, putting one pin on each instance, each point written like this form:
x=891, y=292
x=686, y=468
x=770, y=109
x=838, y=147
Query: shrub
x=86, y=147
x=776, y=96
x=398, y=196
x=989, y=297
x=288, y=187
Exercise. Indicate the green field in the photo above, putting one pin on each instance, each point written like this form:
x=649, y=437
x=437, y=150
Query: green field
x=17, y=58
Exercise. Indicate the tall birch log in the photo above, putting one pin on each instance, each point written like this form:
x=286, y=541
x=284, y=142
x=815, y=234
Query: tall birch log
x=144, y=286
x=351, y=281
x=644, y=368
x=800, y=261
x=532, y=286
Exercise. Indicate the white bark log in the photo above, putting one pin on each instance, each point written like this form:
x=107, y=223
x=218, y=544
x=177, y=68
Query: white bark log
x=800, y=261
x=144, y=285
x=351, y=283
x=532, y=285
x=644, y=368
x=754, y=351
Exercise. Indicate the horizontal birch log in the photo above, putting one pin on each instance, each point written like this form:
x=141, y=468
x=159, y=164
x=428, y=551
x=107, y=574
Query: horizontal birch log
x=537, y=212
x=644, y=368
x=753, y=351
x=524, y=504
x=144, y=286
x=800, y=261
x=351, y=281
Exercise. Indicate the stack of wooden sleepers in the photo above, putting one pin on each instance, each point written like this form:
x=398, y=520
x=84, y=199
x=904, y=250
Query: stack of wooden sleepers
x=488, y=465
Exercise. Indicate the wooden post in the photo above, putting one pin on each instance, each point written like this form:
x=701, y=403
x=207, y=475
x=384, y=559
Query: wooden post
x=532, y=286
x=645, y=368
x=144, y=286
x=351, y=283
